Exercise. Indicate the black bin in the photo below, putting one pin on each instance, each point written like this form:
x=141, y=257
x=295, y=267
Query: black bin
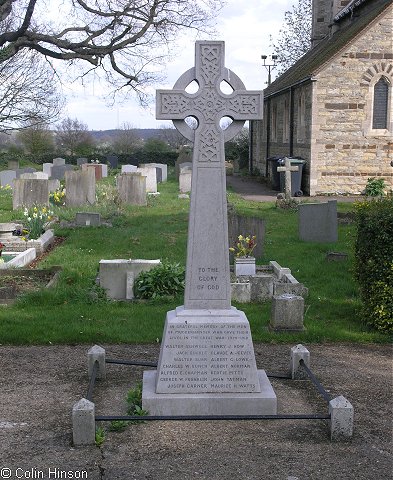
x=274, y=175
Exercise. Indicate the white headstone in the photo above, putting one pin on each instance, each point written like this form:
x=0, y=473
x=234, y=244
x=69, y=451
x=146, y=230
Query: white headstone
x=151, y=178
x=129, y=168
x=207, y=363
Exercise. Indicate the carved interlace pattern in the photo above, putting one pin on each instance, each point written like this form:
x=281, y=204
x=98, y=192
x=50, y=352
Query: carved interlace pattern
x=210, y=63
x=208, y=105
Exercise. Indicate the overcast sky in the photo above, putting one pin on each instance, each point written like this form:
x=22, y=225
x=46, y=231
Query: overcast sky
x=244, y=25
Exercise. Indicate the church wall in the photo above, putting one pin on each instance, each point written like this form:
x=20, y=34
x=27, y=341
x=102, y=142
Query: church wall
x=345, y=150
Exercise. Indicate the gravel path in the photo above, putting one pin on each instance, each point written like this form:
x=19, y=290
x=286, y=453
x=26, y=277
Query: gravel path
x=39, y=385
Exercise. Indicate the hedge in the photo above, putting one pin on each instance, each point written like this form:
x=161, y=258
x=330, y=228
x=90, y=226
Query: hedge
x=374, y=261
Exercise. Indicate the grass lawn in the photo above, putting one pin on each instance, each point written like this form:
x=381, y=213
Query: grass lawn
x=77, y=311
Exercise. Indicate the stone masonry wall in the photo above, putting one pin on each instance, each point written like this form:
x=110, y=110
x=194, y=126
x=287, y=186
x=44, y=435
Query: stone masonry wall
x=345, y=150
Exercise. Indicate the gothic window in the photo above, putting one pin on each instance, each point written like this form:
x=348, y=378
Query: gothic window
x=380, y=104
x=274, y=123
x=301, y=117
x=285, y=126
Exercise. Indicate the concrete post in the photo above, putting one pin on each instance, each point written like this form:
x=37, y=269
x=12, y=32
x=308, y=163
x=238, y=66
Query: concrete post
x=83, y=423
x=97, y=353
x=341, y=419
x=299, y=352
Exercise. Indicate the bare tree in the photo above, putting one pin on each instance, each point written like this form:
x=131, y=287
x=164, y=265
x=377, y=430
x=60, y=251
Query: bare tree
x=28, y=92
x=172, y=137
x=73, y=137
x=122, y=37
x=36, y=139
x=294, y=38
x=126, y=140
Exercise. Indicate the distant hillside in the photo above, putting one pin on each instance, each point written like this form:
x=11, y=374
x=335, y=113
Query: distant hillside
x=144, y=133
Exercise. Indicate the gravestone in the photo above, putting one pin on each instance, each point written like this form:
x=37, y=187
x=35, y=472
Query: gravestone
x=239, y=225
x=132, y=188
x=21, y=171
x=161, y=170
x=54, y=184
x=58, y=161
x=36, y=175
x=58, y=171
x=80, y=188
x=13, y=164
x=100, y=169
x=185, y=155
x=7, y=177
x=288, y=169
x=80, y=161
x=151, y=178
x=128, y=169
x=47, y=168
x=207, y=364
x=88, y=219
x=112, y=160
x=30, y=192
x=318, y=222
x=185, y=179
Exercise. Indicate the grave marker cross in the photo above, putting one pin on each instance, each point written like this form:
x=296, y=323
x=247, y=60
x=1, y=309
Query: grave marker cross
x=207, y=272
x=288, y=169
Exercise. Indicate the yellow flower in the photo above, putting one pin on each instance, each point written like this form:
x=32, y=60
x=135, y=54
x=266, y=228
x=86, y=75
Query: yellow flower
x=240, y=237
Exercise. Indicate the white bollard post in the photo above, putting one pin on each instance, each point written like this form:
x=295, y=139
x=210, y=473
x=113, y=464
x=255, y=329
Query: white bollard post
x=299, y=352
x=97, y=353
x=83, y=423
x=341, y=419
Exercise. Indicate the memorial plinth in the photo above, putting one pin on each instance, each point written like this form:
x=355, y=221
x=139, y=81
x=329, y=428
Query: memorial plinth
x=207, y=363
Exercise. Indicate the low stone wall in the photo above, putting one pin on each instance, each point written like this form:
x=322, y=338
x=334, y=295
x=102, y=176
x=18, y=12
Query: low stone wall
x=41, y=244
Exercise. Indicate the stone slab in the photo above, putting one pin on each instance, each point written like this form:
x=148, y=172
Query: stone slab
x=7, y=177
x=88, y=219
x=256, y=403
x=318, y=222
x=206, y=351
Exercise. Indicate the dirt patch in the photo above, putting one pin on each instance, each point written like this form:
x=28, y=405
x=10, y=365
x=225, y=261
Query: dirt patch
x=40, y=385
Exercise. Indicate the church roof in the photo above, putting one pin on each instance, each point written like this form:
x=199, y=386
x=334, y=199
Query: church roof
x=310, y=63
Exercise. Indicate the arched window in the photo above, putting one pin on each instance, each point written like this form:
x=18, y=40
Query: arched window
x=380, y=104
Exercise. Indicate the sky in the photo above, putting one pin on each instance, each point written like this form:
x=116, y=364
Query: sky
x=244, y=25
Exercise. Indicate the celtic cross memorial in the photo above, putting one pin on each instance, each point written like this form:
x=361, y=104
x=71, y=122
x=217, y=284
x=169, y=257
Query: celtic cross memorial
x=207, y=361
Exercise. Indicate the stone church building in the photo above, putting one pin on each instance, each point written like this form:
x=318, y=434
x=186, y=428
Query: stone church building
x=334, y=107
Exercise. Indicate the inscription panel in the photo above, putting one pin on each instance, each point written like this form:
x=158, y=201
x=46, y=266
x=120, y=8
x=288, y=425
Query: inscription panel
x=207, y=357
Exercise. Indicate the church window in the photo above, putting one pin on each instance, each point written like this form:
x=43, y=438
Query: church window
x=301, y=117
x=380, y=104
x=285, y=126
x=274, y=123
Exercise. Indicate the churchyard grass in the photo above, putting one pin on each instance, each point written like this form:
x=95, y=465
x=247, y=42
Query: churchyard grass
x=77, y=311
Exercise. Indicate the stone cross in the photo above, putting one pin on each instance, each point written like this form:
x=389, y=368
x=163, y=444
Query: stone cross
x=288, y=169
x=207, y=272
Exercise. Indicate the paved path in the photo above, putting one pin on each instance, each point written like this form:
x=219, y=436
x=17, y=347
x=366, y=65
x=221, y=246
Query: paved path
x=250, y=188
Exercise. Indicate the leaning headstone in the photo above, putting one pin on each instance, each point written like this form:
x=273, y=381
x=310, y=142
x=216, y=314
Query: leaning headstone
x=318, y=222
x=80, y=188
x=207, y=363
x=128, y=169
x=88, y=219
x=80, y=161
x=112, y=160
x=7, y=177
x=58, y=171
x=151, y=178
x=30, y=192
x=58, y=161
x=132, y=188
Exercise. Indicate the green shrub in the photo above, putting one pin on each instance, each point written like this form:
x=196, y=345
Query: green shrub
x=375, y=187
x=167, y=279
x=374, y=261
